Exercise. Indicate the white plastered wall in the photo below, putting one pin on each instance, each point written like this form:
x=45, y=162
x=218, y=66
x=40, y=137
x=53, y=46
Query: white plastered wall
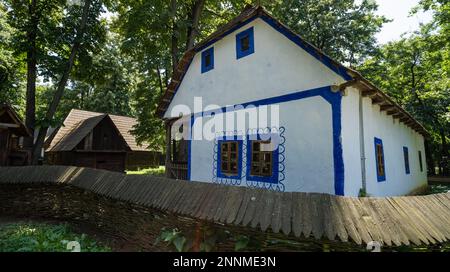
x=277, y=67
x=394, y=134
x=309, y=165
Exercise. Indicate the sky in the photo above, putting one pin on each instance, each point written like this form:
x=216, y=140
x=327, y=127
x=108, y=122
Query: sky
x=398, y=11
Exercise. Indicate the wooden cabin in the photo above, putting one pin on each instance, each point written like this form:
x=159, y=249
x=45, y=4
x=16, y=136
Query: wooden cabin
x=98, y=140
x=12, y=130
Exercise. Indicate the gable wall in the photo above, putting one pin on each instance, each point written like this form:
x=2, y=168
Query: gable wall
x=277, y=67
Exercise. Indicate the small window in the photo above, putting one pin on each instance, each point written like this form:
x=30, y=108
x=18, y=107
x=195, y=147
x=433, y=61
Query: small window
x=379, y=157
x=245, y=43
x=229, y=158
x=261, y=159
x=406, y=157
x=420, y=161
x=208, y=60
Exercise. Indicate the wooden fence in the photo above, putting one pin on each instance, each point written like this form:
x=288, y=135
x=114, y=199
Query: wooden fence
x=391, y=220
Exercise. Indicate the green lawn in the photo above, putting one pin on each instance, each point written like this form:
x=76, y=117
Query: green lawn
x=149, y=171
x=39, y=237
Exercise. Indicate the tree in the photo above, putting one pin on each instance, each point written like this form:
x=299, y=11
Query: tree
x=78, y=39
x=342, y=29
x=11, y=70
x=415, y=72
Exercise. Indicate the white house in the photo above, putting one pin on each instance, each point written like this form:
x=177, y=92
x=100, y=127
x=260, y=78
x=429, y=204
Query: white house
x=328, y=129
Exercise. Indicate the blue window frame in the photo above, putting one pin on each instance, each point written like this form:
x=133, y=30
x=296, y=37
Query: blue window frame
x=208, y=60
x=420, y=161
x=262, y=165
x=406, y=157
x=379, y=159
x=245, y=44
x=229, y=158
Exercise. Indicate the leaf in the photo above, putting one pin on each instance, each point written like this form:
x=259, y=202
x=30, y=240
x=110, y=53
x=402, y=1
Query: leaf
x=179, y=242
x=241, y=243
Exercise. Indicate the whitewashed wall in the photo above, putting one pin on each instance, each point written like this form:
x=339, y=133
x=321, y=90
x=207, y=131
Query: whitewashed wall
x=350, y=142
x=309, y=147
x=394, y=135
x=277, y=67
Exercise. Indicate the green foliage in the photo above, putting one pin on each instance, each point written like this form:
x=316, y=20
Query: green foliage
x=203, y=238
x=149, y=171
x=362, y=193
x=344, y=29
x=415, y=71
x=11, y=70
x=242, y=242
x=34, y=237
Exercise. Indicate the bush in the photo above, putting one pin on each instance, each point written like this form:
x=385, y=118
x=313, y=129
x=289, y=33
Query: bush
x=34, y=237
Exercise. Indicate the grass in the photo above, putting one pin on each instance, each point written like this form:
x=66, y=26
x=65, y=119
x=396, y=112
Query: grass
x=149, y=171
x=438, y=188
x=40, y=237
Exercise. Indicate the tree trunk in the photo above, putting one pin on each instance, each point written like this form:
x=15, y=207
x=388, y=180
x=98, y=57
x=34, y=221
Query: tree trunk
x=174, y=42
x=62, y=83
x=429, y=159
x=30, y=111
x=194, y=19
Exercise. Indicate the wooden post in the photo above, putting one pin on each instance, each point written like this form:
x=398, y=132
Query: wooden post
x=168, y=149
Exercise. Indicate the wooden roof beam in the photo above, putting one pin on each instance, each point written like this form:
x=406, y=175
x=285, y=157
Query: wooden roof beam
x=8, y=125
x=368, y=92
x=397, y=115
x=393, y=111
x=386, y=107
x=377, y=100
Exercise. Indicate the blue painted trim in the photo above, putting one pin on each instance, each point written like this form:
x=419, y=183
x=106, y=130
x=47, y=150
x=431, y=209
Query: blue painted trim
x=333, y=98
x=406, y=159
x=251, y=43
x=219, y=158
x=380, y=178
x=208, y=52
x=257, y=137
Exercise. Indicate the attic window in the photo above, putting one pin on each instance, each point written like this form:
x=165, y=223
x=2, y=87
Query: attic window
x=245, y=43
x=207, y=60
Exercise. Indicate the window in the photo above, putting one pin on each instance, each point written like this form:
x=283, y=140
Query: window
x=262, y=158
x=229, y=158
x=420, y=161
x=261, y=164
x=245, y=43
x=406, y=157
x=379, y=158
x=229, y=163
x=208, y=60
